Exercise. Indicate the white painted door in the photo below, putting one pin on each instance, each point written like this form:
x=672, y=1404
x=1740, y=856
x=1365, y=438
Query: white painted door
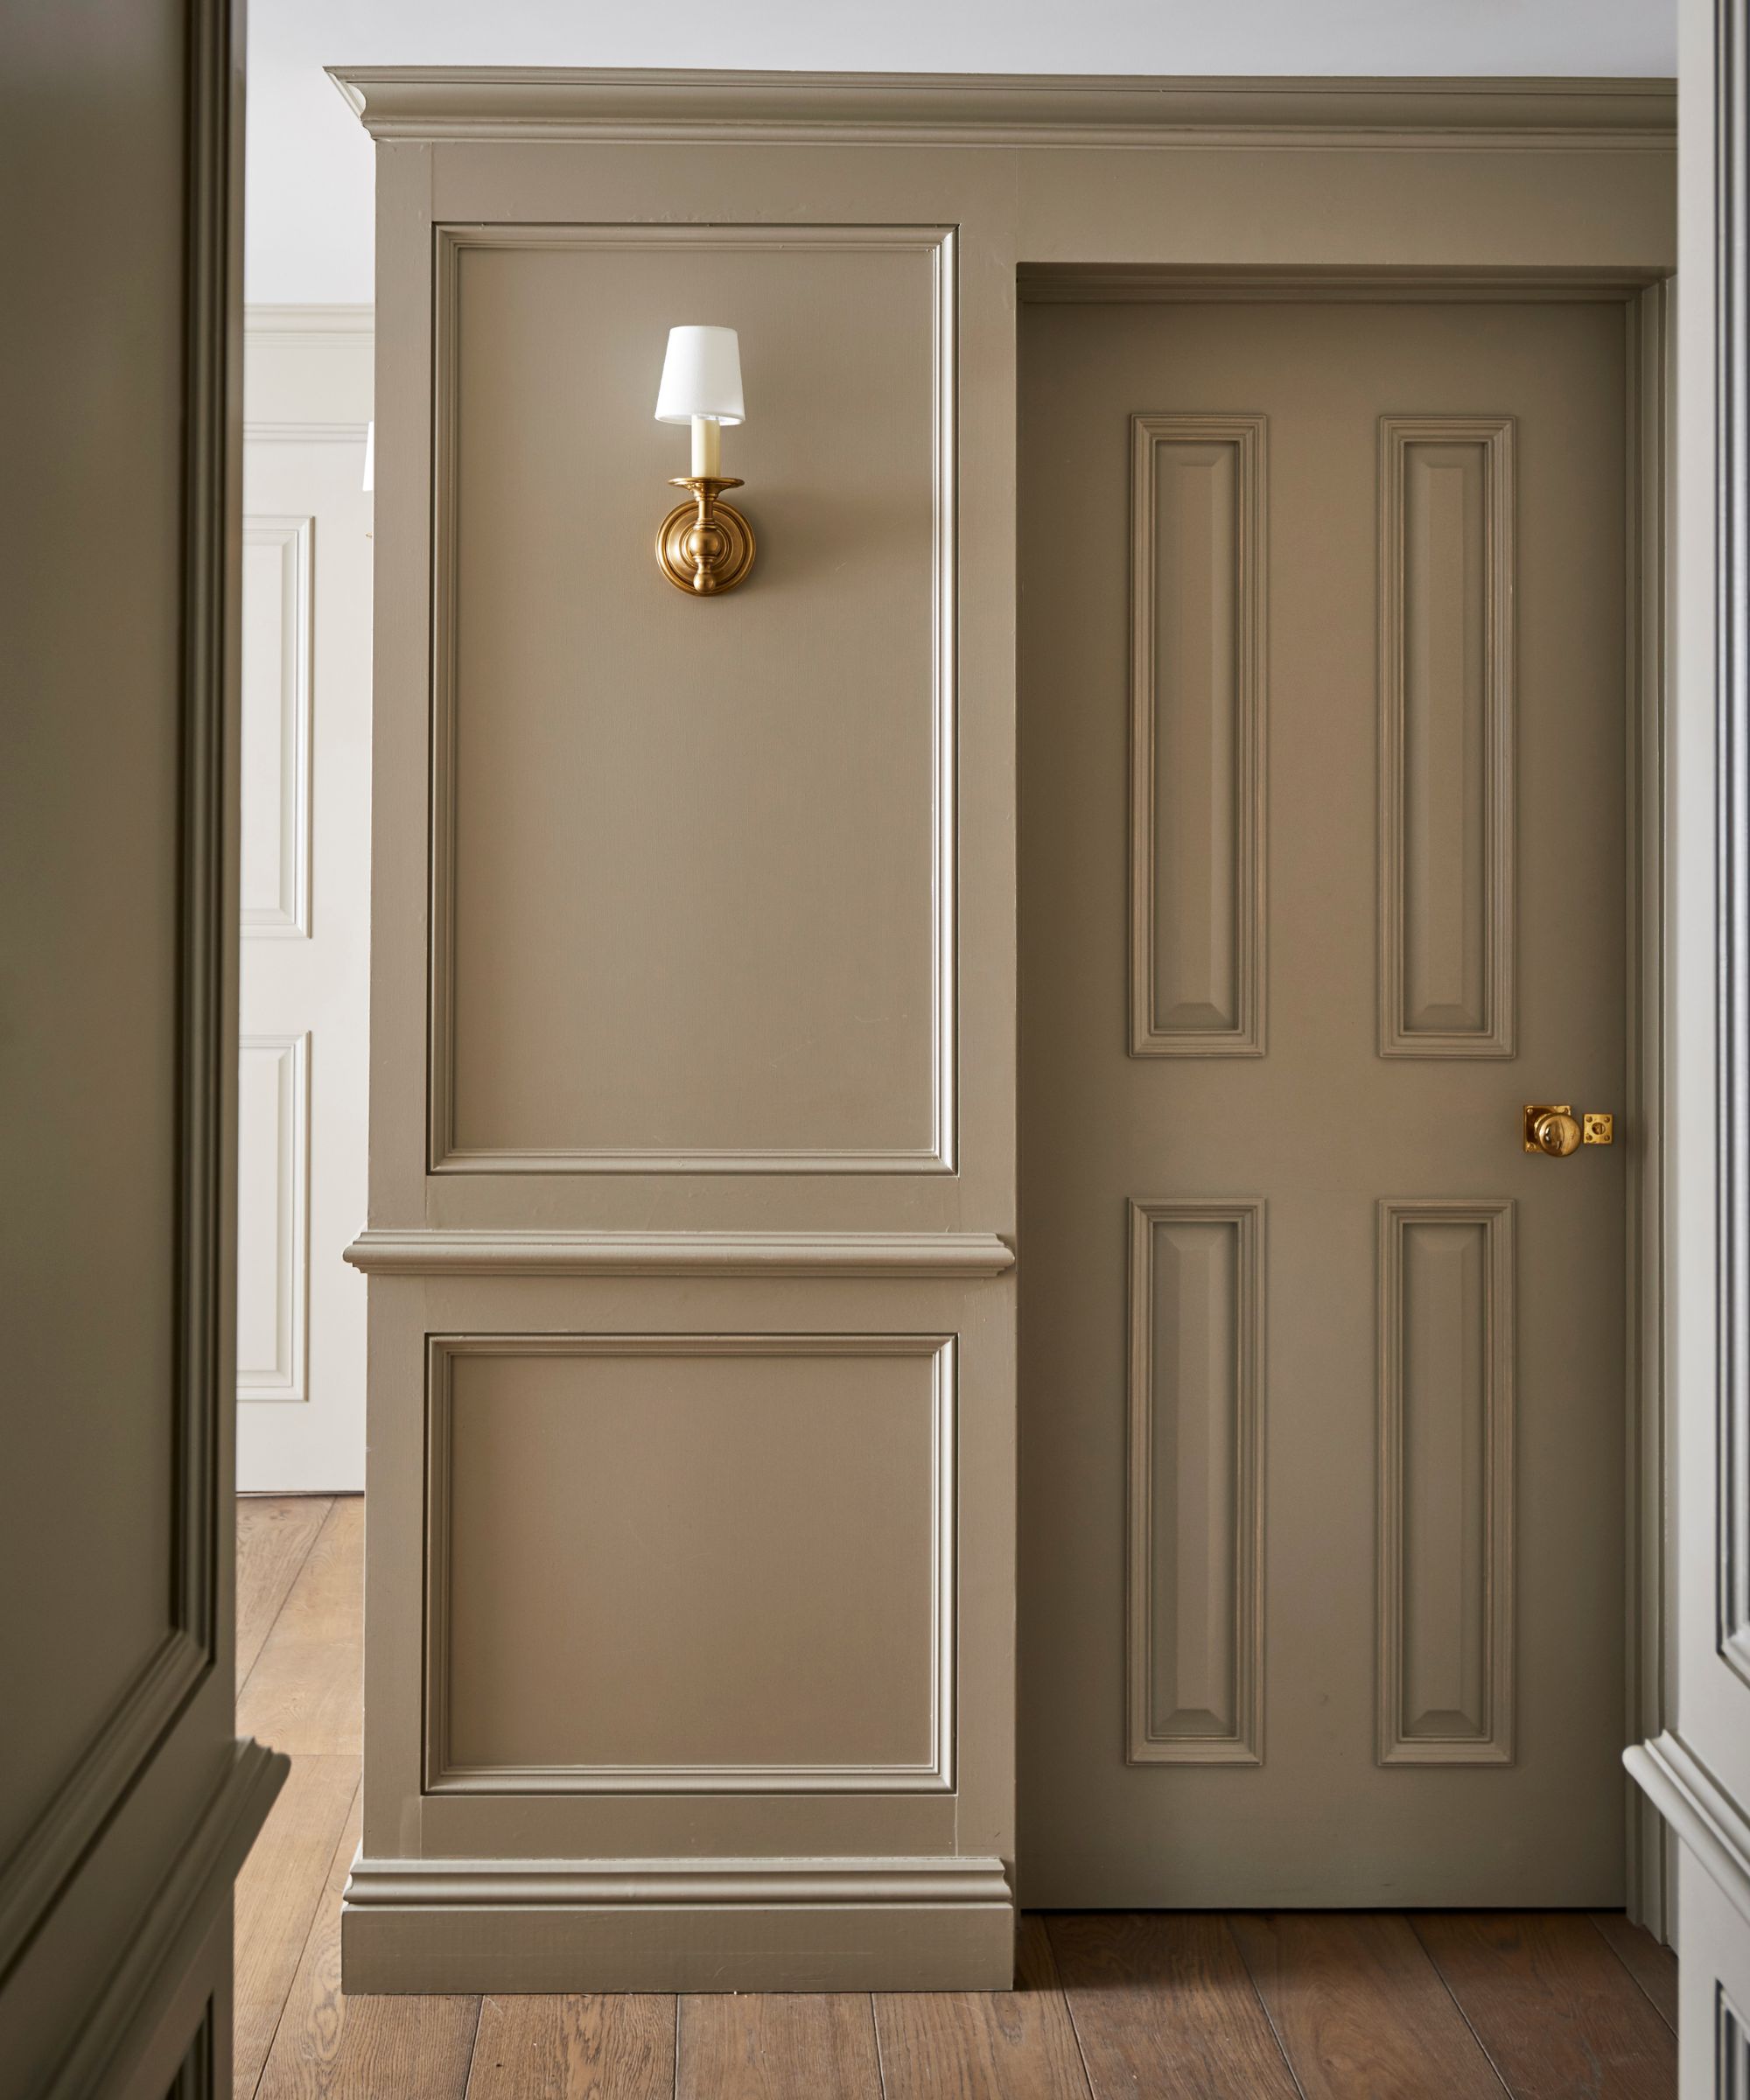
x=302, y=1040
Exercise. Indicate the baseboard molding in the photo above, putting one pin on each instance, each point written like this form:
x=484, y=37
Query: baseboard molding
x=469, y=1925
x=1703, y=1815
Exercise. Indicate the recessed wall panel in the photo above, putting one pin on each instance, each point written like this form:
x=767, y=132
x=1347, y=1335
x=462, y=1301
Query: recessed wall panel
x=694, y=903
x=1196, y=1513
x=275, y=893
x=1197, y=609
x=1446, y=654
x=709, y=1564
x=273, y=1170
x=1446, y=1483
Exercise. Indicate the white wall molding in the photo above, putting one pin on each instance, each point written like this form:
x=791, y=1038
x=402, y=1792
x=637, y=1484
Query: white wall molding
x=307, y=323
x=548, y=1883
x=434, y=1252
x=1710, y=1822
x=632, y=105
x=304, y=433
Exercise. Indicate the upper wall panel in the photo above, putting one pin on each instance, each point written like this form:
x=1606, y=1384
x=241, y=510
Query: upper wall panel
x=693, y=859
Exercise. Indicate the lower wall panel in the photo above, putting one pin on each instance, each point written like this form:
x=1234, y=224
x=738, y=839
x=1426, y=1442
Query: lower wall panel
x=700, y=1575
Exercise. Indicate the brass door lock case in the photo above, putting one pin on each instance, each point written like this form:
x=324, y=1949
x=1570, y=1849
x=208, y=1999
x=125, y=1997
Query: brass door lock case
x=1551, y=1127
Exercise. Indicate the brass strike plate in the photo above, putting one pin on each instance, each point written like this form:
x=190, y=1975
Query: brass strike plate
x=1597, y=1130
x=1533, y=1111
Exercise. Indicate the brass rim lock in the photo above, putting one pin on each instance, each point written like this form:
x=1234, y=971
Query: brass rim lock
x=1551, y=1127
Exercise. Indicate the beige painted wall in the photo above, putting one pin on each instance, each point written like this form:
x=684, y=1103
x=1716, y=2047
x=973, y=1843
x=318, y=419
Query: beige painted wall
x=694, y=972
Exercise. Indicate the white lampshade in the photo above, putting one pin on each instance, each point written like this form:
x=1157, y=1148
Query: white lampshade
x=701, y=376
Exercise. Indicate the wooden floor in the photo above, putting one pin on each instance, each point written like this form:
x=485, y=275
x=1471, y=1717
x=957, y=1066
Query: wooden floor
x=1187, y=2004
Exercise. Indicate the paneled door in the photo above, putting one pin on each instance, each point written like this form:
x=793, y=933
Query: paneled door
x=1323, y=826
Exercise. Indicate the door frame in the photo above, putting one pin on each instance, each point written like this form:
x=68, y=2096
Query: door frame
x=1649, y=310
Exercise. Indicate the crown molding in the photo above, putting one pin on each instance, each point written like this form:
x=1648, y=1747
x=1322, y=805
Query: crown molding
x=452, y=1252
x=436, y=102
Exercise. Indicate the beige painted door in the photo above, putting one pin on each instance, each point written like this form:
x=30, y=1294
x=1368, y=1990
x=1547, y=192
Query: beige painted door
x=1322, y=880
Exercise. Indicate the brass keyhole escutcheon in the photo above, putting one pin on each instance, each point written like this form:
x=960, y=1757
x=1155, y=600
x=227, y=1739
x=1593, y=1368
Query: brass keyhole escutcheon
x=1551, y=1127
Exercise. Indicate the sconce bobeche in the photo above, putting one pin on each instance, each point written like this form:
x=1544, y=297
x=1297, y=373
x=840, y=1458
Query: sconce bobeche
x=704, y=546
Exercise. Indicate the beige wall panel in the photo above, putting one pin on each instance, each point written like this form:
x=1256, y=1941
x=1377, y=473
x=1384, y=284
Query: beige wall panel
x=1446, y=737
x=1446, y=1468
x=1195, y=1690
x=696, y=872
x=1197, y=608
x=1339, y=206
x=403, y=1818
x=698, y=1564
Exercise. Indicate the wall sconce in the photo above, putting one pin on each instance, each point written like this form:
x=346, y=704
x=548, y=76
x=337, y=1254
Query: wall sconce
x=704, y=546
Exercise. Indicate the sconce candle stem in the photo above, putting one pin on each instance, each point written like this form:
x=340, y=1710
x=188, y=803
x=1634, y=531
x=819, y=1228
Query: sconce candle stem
x=705, y=546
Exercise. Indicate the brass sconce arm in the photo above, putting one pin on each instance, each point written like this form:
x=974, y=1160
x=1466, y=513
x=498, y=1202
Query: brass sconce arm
x=705, y=546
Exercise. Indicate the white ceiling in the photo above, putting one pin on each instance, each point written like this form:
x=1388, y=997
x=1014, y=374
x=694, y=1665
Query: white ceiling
x=308, y=203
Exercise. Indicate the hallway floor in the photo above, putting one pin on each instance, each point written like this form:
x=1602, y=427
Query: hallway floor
x=1194, y=2006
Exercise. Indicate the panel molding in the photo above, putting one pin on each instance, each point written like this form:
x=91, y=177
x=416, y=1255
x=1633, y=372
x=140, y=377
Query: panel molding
x=1699, y=1808
x=1145, y=1743
x=1492, y=1741
x=443, y=1775
x=287, y=1380
x=1242, y=1034
x=962, y=109
x=1491, y=1035
x=305, y=433
x=444, y=1154
x=290, y=918
x=381, y=1250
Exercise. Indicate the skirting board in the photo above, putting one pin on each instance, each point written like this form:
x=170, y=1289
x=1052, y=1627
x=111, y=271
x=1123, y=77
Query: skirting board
x=457, y=1926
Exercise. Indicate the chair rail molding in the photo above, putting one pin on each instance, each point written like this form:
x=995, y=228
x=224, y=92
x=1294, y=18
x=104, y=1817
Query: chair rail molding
x=381, y=1250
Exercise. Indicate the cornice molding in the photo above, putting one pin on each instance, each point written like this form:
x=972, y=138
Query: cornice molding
x=437, y=1251
x=1699, y=1808
x=428, y=103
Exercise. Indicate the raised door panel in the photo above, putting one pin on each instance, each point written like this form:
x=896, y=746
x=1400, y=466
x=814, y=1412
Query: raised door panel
x=1447, y=737
x=1196, y=1544
x=1446, y=1613
x=1197, y=737
x=694, y=859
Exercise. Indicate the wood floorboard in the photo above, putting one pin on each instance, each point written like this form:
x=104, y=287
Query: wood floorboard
x=1559, y=2014
x=1653, y=1967
x=275, y=1534
x=1162, y=2005
x=330, y=2047
x=816, y=2046
x=984, y=2044
x=305, y=1693
x=281, y=1883
x=1359, y=2008
x=1111, y=2006
x=619, y=2048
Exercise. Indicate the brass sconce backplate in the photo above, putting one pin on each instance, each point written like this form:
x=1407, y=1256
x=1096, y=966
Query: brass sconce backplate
x=705, y=547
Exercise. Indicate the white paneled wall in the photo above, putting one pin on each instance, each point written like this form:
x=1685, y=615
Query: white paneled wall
x=305, y=897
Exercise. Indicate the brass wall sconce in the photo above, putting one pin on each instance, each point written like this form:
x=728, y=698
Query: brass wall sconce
x=704, y=546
